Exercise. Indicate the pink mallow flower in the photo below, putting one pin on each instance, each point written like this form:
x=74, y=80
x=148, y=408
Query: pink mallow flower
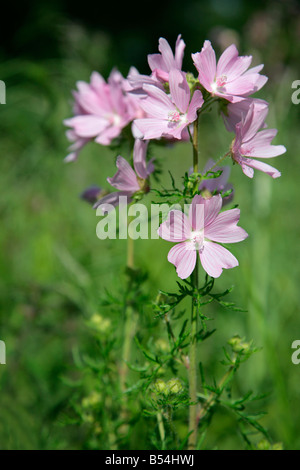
x=198, y=232
x=161, y=64
x=168, y=115
x=102, y=109
x=229, y=78
x=250, y=143
x=128, y=181
x=234, y=112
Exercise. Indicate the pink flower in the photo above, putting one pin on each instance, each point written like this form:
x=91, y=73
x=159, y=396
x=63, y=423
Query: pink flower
x=161, y=64
x=229, y=78
x=169, y=115
x=252, y=142
x=101, y=111
x=236, y=111
x=198, y=232
x=126, y=180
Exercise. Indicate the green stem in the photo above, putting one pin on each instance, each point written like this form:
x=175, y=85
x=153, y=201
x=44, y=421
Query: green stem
x=193, y=411
x=161, y=428
x=220, y=160
x=192, y=374
x=129, y=327
x=195, y=146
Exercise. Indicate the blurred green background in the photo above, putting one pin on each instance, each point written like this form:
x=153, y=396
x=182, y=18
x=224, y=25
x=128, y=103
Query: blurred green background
x=53, y=268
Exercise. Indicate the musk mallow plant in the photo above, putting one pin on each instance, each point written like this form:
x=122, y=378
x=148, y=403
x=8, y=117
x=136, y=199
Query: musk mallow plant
x=166, y=107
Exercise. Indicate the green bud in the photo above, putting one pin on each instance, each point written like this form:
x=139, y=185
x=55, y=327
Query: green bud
x=99, y=323
x=239, y=345
x=91, y=400
x=174, y=386
x=159, y=386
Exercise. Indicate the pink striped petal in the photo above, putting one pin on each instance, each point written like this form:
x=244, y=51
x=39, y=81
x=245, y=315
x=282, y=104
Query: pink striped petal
x=205, y=63
x=214, y=258
x=125, y=178
x=184, y=258
x=87, y=126
x=260, y=145
x=180, y=91
x=211, y=207
x=139, y=158
x=154, y=128
x=179, y=51
x=195, y=104
x=257, y=165
x=224, y=228
x=176, y=228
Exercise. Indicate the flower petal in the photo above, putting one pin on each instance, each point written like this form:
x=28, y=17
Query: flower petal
x=195, y=104
x=205, y=63
x=215, y=257
x=224, y=228
x=257, y=165
x=207, y=211
x=184, y=258
x=139, y=158
x=180, y=91
x=176, y=228
x=125, y=178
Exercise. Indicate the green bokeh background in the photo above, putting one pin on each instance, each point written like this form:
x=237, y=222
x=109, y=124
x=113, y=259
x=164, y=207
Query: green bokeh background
x=53, y=269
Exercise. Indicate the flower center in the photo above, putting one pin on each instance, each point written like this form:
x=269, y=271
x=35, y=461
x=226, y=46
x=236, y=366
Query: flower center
x=221, y=81
x=114, y=119
x=174, y=116
x=197, y=239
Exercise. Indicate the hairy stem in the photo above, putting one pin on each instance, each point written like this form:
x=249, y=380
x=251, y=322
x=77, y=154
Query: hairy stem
x=129, y=326
x=193, y=410
x=193, y=415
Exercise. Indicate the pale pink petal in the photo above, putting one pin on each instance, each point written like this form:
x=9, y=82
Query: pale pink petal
x=214, y=258
x=112, y=200
x=180, y=91
x=224, y=228
x=108, y=135
x=125, y=178
x=205, y=63
x=157, y=104
x=197, y=213
x=87, y=126
x=253, y=120
x=231, y=65
x=153, y=128
x=195, y=104
x=256, y=164
x=176, y=228
x=238, y=111
x=167, y=54
x=212, y=207
x=155, y=61
x=184, y=258
x=260, y=145
x=241, y=86
x=179, y=51
x=139, y=158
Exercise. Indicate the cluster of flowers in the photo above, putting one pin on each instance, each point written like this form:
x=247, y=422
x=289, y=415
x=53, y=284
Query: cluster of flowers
x=165, y=105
